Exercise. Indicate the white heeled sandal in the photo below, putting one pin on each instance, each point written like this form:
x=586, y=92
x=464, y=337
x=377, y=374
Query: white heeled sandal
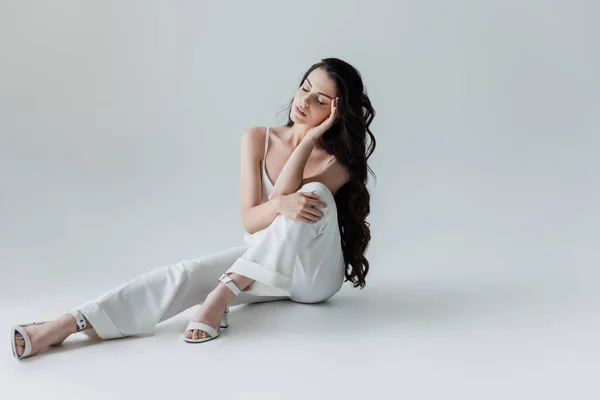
x=21, y=329
x=212, y=332
x=81, y=325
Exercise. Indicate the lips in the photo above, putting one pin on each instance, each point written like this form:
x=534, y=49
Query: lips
x=300, y=112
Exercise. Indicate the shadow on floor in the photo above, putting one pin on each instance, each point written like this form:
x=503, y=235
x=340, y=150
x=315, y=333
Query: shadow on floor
x=350, y=312
x=355, y=310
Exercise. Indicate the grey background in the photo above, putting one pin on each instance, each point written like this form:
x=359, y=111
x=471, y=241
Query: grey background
x=120, y=125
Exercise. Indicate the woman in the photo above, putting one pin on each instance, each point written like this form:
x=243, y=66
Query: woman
x=296, y=181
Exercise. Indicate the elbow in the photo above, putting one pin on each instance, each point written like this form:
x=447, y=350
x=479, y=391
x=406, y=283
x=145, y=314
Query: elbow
x=249, y=229
x=246, y=225
x=284, y=191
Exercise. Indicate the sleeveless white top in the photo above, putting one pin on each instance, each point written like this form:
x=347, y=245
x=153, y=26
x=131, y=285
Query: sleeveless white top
x=267, y=185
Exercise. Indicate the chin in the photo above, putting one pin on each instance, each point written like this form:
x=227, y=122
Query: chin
x=299, y=120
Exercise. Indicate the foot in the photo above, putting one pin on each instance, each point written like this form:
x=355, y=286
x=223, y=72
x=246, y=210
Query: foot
x=42, y=336
x=211, y=311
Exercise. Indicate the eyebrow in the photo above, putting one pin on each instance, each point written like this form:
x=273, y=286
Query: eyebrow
x=329, y=97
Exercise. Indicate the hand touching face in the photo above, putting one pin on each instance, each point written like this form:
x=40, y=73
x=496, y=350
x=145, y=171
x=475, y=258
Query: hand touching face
x=314, y=100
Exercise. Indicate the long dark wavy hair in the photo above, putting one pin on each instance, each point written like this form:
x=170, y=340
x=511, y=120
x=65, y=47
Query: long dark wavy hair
x=347, y=141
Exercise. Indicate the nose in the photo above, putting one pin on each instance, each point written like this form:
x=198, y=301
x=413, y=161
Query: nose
x=304, y=102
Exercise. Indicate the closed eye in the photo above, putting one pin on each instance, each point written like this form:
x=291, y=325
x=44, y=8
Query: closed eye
x=317, y=100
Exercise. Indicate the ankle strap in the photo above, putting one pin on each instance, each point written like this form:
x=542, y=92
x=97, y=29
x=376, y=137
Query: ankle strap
x=230, y=284
x=80, y=319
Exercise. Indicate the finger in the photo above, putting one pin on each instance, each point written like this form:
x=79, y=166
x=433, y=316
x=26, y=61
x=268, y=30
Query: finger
x=315, y=212
x=310, y=195
x=317, y=203
x=309, y=215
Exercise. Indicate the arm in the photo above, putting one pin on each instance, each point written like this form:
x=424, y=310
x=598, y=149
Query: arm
x=255, y=216
x=334, y=176
x=290, y=178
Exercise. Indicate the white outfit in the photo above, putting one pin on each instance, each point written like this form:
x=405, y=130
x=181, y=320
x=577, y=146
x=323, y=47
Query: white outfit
x=288, y=260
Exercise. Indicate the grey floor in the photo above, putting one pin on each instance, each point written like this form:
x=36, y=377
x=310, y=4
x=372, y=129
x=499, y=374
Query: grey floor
x=405, y=336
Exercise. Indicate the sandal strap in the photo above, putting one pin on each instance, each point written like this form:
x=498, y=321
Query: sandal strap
x=80, y=319
x=202, y=327
x=230, y=284
x=28, y=347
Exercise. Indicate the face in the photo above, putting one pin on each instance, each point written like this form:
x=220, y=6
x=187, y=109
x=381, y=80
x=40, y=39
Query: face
x=312, y=102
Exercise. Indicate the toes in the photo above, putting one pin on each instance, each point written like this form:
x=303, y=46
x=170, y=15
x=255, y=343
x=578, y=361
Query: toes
x=19, y=344
x=196, y=334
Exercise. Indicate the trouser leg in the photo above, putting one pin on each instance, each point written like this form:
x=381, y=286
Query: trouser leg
x=137, y=306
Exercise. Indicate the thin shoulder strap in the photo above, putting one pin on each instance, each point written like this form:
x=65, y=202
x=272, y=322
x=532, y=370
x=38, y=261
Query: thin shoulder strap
x=266, y=142
x=328, y=161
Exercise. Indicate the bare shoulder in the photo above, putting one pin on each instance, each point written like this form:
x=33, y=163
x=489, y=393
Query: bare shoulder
x=339, y=173
x=253, y=140
x=334, y=176
x=338, y=168
x=254, y=134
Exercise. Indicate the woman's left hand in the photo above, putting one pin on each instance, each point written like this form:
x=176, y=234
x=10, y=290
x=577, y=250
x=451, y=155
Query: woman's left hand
x=318, y=131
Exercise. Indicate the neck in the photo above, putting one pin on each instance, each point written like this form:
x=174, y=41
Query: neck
x=298, y=133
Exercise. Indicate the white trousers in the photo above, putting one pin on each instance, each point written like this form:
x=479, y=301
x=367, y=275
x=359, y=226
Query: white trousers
x=288, y=260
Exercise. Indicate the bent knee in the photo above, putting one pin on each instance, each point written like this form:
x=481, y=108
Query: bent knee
x=319, y=189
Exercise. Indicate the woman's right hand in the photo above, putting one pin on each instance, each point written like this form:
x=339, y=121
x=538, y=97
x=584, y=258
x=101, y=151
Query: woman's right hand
x=299, y=206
